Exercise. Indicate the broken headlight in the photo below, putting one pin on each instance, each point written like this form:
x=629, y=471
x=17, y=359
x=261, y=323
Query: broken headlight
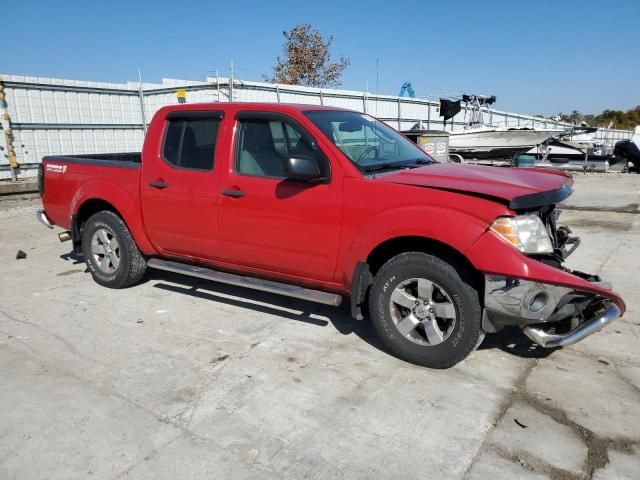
x=527, y=233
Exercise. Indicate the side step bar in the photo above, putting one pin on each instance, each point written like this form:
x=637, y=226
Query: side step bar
x=247, y=282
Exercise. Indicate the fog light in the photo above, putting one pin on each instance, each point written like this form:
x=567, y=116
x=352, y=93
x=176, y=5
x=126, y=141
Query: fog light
x=538, y=302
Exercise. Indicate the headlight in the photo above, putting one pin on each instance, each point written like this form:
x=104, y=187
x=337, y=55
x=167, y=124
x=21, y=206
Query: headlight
x=525, y=232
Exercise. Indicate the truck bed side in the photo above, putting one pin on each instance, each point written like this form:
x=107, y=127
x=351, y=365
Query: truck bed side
x=69, y=183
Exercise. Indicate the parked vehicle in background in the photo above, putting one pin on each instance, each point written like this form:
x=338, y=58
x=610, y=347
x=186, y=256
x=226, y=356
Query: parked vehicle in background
x=629, y=150
x=321, y=203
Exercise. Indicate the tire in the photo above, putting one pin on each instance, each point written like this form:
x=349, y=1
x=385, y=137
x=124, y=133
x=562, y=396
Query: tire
x=437, y=334
x=110, y=251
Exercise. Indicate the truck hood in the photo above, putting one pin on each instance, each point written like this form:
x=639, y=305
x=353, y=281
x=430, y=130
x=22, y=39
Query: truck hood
x=520, y=188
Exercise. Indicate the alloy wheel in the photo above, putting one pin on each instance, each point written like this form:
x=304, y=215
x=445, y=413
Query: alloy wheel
x=105, y=250
x=422, y=311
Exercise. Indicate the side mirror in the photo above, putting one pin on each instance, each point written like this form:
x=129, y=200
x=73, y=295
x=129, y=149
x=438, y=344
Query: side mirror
x=302, y=168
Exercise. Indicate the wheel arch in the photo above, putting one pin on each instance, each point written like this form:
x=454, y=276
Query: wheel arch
x=98, y=196
x=366, y=269
x=89, y=207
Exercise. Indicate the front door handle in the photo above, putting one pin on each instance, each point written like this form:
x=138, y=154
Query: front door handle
x=233, y=193
x=158, y=184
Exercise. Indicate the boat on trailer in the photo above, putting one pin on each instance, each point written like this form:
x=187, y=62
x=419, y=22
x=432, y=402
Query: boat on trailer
x=577, y=149
x=478, y=140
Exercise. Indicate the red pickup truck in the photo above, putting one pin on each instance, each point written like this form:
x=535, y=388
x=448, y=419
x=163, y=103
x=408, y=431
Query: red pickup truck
x=321, y=203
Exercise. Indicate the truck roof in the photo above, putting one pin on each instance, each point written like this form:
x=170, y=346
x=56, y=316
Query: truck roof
x=277, y=107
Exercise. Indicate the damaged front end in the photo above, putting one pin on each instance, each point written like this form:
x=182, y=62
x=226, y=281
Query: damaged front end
x=550, y=315
x=554, y=306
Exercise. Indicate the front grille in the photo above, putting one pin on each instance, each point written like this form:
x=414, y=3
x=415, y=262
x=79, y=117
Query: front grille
x=549, y=216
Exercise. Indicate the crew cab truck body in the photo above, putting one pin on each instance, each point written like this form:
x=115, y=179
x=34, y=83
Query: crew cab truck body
x=322, y=203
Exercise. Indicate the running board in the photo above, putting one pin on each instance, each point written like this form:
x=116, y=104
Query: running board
x=285, y=289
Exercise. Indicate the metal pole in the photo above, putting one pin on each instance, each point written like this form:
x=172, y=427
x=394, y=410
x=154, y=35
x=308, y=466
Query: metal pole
x=5, y=121
x=278, y=93
x=321, y=98
x=377, y=84
x=231, y=83
x=399, y=115
x=218, y=85
x=429, y=116
x=143, y=116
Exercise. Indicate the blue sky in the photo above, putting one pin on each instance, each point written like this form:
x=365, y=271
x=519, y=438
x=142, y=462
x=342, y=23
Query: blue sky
x=535, y=56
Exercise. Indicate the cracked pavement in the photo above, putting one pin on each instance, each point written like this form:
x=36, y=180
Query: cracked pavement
x=178, y=378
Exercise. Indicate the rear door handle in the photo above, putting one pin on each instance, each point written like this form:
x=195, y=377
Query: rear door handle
x=158, y=184
x=233, y=193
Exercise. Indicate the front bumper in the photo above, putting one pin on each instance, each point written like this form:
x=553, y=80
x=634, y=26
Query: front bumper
x=609, y=313
x=550, y=315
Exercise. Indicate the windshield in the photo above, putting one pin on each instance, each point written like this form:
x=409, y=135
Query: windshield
x=369, y=143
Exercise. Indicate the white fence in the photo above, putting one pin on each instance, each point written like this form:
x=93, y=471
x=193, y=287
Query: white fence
x=49, y=116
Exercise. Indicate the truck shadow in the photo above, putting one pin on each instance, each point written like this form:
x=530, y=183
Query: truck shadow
x=72, y=257
x=509, y=340
x=271, y=304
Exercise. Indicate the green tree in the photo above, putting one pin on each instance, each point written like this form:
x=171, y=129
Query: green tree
x=307, y=60
x=623, y=120
x=575, y=117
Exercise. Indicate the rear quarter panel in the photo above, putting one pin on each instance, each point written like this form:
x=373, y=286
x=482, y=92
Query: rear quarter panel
x=69, y=185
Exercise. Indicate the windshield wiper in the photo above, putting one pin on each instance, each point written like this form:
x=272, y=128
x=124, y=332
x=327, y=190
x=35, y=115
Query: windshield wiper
x=376, y=167
x=421, y=161
x=384, y=166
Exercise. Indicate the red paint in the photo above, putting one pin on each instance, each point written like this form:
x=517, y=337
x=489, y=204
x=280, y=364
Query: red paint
x=308, y=234
x=505, y=183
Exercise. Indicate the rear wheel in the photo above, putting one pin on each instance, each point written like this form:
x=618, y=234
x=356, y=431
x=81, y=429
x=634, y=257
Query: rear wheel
x=110, y=251
x=426, y=311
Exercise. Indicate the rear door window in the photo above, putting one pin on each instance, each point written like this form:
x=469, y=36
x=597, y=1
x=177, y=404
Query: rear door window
x=190, y=143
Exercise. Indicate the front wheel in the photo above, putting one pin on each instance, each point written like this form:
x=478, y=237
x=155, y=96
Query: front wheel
x=110, y=252
x=426, y=311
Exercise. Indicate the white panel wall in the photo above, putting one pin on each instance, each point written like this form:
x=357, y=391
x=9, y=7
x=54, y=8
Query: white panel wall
x=57, y=116
x=33, y=144
x=253, y=96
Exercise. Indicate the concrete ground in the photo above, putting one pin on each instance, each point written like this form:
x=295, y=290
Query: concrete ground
x=177, y=378
x=22, y=186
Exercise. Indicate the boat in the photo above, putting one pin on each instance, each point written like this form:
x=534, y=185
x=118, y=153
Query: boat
x=574, y=144
x=496, y=142
x=478, y=140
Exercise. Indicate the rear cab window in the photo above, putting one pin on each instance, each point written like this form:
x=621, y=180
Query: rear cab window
x=190, y=139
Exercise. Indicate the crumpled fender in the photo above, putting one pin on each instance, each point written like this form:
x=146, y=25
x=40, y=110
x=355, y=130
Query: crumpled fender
x=493, y=256
x=122, y=201
x=457, y=229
